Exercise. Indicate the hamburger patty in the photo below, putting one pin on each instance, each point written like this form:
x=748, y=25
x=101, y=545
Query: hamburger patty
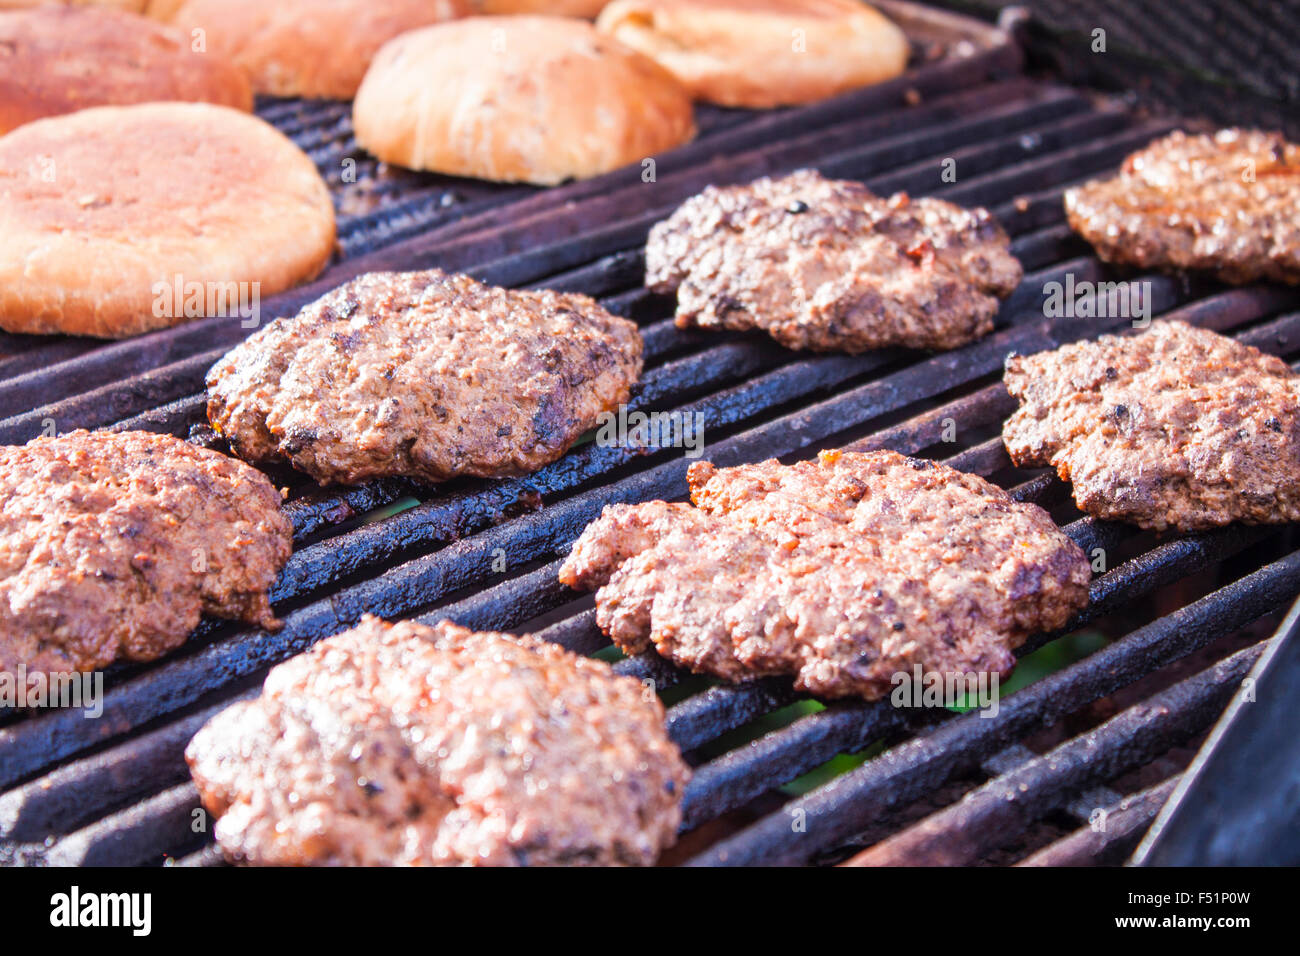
x=112, y=544
x=400, y=744
x=1224, y=203
x=827, y=265
x=424, y=374
x=844, y=572
x=1178, y=427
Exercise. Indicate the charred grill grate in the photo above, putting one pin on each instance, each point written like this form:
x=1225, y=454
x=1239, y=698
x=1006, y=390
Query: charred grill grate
x=1231, y=62
x=115, y=790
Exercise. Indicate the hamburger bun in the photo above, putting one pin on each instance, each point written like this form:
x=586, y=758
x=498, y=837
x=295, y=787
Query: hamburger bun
x=62, y=59
x=518, y=99
x=154, y=9
x=318, y=49
x=112, y=216
x=762, y=53
x=553, y=8
x=130, y=6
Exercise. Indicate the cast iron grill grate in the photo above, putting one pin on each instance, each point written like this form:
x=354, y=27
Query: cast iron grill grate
x=1233, y=63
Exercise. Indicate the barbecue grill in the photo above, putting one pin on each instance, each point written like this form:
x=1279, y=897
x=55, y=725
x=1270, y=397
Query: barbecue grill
x=1102, y=739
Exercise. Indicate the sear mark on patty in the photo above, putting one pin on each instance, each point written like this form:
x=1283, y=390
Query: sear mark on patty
x=1225, y=204
x=827, y=265
x=1177, y=427
x=425, y=375
x=113, y=544
x=842, y=572
x=401, y=744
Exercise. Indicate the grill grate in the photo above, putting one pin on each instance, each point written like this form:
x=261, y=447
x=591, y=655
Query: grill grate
x=115, y=790
x=1230, y=62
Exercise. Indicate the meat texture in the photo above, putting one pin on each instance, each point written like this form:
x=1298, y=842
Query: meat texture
x=424, y=374
x=1224, y=203
x=401, y=744
x=1177, y=427
x=844, y=572
x=827, y=265
x=112, y=544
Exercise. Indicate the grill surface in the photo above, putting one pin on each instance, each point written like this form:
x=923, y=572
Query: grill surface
x=1179, y=609
x=1230, y=62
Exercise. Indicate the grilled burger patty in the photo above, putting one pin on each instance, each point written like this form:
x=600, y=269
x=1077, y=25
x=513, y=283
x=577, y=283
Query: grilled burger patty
x=113, y=544
x=424, y=374
x=1224, y=203
x=827, y=265
x=1177, y=427
x=843, y=572
x=400, y=744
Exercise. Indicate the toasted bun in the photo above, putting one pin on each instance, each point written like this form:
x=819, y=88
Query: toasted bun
x=131, y=6
x=518, y=99
x=762, y=53
x=63, y=59
x=554, y=8
x=313, y=48
x=100, y=207
x=154, y=9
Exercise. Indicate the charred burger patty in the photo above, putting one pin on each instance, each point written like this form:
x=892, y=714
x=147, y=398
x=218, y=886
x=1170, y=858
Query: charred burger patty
x=827, y=265
x=843, y=572
x=1224, y=203
x=400, y=744
x=424, y=374
x=112, y=544
x=1177, y=427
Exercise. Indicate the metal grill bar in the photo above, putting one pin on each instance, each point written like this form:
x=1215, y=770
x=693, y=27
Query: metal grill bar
x=848, y=805
x=523, y=265
x=638, y=209
x=1079, y=805
x=993, y=815
x=78, y=792
x=1126, y=821
x=132, y=837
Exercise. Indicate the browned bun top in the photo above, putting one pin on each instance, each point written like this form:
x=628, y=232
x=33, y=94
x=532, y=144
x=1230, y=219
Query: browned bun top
x=155, y=9
x=762, y=53
x=103, y=209
x=60, y=59
x=518, y=99
x=554, y=8
x=131, y=6
x=312, y=48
